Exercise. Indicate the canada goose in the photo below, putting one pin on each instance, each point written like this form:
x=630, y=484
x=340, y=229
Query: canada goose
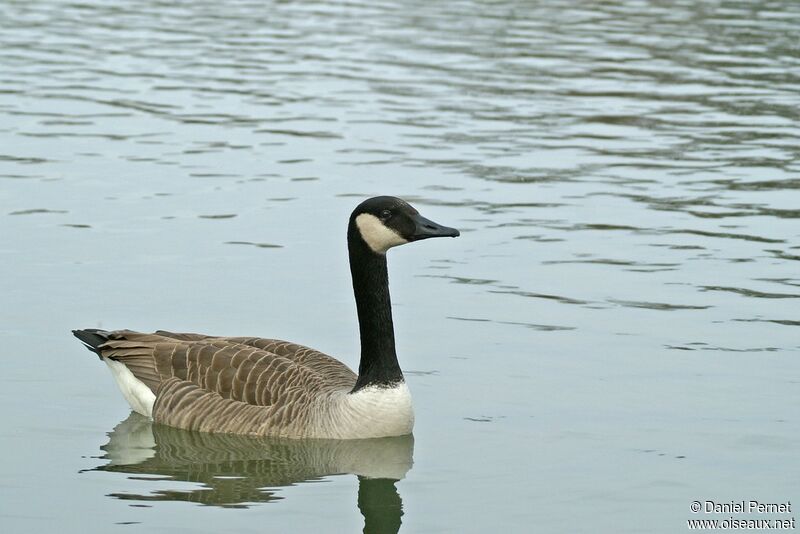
x=256, y=386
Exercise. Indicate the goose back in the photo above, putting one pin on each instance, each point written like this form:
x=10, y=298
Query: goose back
x=240, y=385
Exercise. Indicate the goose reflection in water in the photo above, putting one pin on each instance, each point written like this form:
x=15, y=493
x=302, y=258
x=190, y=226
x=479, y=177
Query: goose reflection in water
x=238, y=471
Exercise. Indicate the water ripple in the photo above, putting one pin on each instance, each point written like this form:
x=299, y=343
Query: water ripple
x=619, y=155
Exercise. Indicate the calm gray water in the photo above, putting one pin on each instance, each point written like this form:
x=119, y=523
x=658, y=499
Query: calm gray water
x=614, y=336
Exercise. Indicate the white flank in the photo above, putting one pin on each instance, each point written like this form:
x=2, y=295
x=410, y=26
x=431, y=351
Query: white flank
x=372, y=412
x=134, y=390
x=377, y=235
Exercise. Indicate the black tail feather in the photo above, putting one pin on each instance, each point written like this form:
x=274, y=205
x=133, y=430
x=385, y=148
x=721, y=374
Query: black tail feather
x=92, y=338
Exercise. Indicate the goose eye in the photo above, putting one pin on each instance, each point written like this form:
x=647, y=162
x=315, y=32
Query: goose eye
x=386, y=214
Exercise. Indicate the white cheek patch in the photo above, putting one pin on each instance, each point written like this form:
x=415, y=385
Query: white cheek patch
x=378, y=236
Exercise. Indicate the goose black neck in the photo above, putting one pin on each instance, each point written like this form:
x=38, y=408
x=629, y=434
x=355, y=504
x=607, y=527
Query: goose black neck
x=378, y=365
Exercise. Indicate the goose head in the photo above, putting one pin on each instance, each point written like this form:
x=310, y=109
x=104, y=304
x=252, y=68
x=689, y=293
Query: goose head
x=385, y=222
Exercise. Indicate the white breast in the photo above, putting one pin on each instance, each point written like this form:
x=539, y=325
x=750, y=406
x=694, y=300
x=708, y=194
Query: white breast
x=372, y=412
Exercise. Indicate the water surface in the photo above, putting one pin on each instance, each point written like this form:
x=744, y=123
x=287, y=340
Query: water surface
x=614, y=335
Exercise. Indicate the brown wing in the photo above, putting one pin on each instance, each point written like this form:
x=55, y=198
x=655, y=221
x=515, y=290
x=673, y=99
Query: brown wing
x=254, y=371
